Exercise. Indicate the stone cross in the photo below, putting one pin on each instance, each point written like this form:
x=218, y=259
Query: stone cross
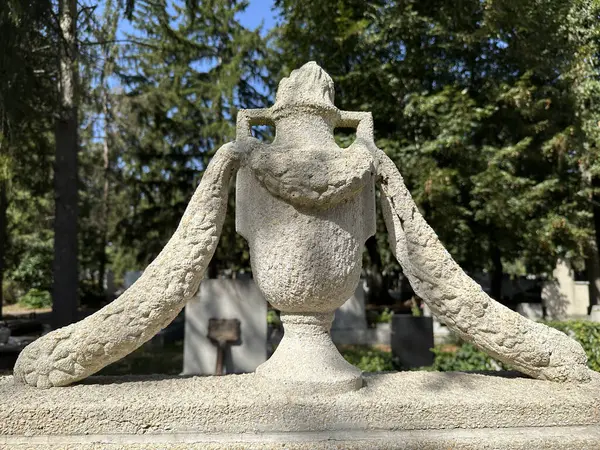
x=306, y=208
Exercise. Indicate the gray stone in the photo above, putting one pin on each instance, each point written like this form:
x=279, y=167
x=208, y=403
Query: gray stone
x=562, y=296
x=413, y=410
x=225, y=299
x=131, y=277
x=306, y=207
x=351, y=315
x=350, y=322
x=595, y=313
x=533, y=311
x=74, y=352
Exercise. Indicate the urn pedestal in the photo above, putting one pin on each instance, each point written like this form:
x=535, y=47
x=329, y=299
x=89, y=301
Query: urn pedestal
x=306, y=208
x=307, y=263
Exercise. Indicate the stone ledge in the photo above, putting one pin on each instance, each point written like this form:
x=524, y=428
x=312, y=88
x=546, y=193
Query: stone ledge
x=393, y=410
x=553, y=438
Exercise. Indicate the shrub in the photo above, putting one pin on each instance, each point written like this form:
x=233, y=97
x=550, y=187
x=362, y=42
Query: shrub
x=36, y=298
x=273, y=319
x=587, y=334
x=462, y=359
x=468, y=358
x=375, y=317
x=369, y=359
x=10, y=292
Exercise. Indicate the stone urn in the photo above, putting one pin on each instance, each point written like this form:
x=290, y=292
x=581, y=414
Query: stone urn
x=306, y=207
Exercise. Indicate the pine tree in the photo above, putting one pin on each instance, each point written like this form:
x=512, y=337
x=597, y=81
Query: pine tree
x=27, y=102
x=190, y=70
x=475, y=103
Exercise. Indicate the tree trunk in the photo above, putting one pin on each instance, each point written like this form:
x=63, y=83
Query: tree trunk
x=592, y=265
x=3, y=236
x=497, y=273
x=106, y=190
x=593, y=262
x=596, y=208
x=111, y=21
x=378, y=288
x=65, y=266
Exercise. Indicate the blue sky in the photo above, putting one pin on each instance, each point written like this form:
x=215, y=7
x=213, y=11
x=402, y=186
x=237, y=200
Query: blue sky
x=258, y=11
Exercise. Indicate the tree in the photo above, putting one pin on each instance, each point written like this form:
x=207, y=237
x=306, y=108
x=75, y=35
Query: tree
x=65, y=264
x=27, y=101
x=188, y=71
x=474, y=103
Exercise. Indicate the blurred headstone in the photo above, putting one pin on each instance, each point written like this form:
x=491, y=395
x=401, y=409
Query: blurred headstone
x=533, y=311
x=595, y=314
x=131, y=277
x=225, y=299
x=350, y=321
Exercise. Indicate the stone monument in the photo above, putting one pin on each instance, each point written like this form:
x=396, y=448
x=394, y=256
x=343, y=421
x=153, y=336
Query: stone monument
x=306, y=208
x=225, y=299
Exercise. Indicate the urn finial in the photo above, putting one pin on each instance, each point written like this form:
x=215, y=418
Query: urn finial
x=308, y=86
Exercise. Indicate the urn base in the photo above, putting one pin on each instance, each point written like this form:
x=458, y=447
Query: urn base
x=307, y=360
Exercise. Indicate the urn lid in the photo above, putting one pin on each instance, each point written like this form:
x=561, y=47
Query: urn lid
x=307, y=87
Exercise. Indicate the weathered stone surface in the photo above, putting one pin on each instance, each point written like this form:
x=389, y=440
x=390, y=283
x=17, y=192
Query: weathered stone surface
x=394, y=410
x=306, y=208
x=74, y=352
x=533, y=348
x=225, y=299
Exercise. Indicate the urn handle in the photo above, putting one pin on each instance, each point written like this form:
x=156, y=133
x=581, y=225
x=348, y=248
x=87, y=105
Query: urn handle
x=246, y=119
x=362, y=121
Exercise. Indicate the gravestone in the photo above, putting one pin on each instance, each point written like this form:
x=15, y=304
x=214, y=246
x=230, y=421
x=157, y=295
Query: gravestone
x=595, y=313
x=306, y=208
x=350, y=321
x=533, y=311
x=131, y=277
x=225, y=299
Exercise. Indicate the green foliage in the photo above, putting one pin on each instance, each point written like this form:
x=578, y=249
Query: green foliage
x=369, y=359
x=481, y=106
x=10, y=292
x=491, y=110
x=587, y=334
x=385, y=316
x=468, y=358
x=374, y=317
x=185, y=78
x=465, y=358
x=273, y=318
x=35, y=299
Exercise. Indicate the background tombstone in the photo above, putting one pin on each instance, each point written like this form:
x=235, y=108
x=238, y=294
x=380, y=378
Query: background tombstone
x=533, y=311
x=352, y=313
x=350, y=320
x=131, y=277
x=225, y=299
x=350, y=323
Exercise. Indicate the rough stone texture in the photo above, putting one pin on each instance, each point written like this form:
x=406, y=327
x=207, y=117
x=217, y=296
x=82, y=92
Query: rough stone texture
x=74, y=352
x=533, y=348
x=306, y=208
x=393, y=410
x=225, y=299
